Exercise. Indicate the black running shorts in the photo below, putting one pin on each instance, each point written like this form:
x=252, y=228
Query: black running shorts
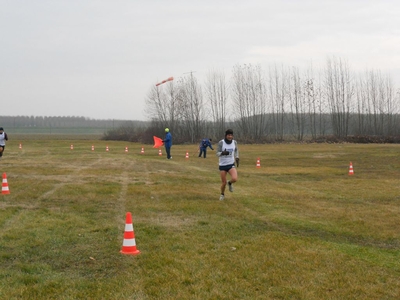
x=226, y=168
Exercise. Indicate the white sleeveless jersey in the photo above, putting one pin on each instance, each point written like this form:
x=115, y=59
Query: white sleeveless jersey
x=225, y=160
x=2, y=139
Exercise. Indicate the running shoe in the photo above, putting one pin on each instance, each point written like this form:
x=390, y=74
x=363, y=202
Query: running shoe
x=230, y=186
x=222, y=197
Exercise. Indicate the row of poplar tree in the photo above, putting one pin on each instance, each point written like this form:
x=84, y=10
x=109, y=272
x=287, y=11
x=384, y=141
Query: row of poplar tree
x=279, y=103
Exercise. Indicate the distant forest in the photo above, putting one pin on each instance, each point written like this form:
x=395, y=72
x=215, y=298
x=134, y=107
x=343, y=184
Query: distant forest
x=61, y=122
x=60, y=125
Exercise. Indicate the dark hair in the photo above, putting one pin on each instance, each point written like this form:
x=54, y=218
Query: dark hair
x=1, y=128
x=229, y=131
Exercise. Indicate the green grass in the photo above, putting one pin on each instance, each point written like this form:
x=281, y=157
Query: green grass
x=299, y=227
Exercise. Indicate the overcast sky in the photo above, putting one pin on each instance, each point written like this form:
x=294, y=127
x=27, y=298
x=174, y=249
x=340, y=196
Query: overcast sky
x=99, y=59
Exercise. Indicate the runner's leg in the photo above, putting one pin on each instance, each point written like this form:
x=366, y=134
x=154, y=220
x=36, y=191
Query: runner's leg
x=223, y=181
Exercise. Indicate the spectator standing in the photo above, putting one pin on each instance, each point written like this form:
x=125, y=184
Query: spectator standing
x=168, y=143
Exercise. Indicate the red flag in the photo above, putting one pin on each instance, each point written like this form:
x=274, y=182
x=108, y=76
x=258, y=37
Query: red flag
x=157, y=142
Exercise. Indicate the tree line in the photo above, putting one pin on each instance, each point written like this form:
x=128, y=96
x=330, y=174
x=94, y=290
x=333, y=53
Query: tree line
x=278, y=103
x=11, y=122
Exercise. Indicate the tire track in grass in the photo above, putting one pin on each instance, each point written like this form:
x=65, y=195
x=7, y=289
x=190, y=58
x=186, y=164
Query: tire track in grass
x=134, y=171
x=20, y=208
x=14, y=218
x=71, y=178
x=121, y=207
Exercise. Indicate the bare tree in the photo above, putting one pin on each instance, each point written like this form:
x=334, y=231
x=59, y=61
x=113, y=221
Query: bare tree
x=361, y=107
x=321, y=106
x=377, y=101
x=297, y=105
x=312, y=93
x=161, y=105
x=217, y=97
x=391, y=107
x=191, y=108
x=157, y=105
x=240, y=99
x=278, y=83
x=339, y=91
x=249, y=100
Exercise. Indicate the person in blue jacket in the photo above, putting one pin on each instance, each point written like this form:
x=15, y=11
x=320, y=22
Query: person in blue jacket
x=204, y=144
x=168, y=143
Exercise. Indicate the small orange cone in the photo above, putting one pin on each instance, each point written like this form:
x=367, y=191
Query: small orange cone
x=129, y=244
x=142, y=152
x=187, y=155
x=92, y=147
x=4, y=185
x=159, y=152
x=126, y=149
x=107, y=149
x=72, y=147
x=20, y=146
x=258, y=165
x=351, y=171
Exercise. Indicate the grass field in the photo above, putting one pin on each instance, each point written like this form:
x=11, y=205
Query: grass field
x=299, y=227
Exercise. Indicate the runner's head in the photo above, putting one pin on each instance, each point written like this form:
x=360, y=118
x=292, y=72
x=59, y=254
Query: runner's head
x=229, y=135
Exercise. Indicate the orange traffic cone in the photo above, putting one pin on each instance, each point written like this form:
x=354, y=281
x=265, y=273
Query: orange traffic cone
x=129, y=244
x=142, y=152
x=351, y=171
x=107, y=149
x=72, y=147
x=159, y=152
x=92, y=147
x=187, y=155
x=258, y=165
x=126, y=149
x=20, y=146
x=4, y=186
